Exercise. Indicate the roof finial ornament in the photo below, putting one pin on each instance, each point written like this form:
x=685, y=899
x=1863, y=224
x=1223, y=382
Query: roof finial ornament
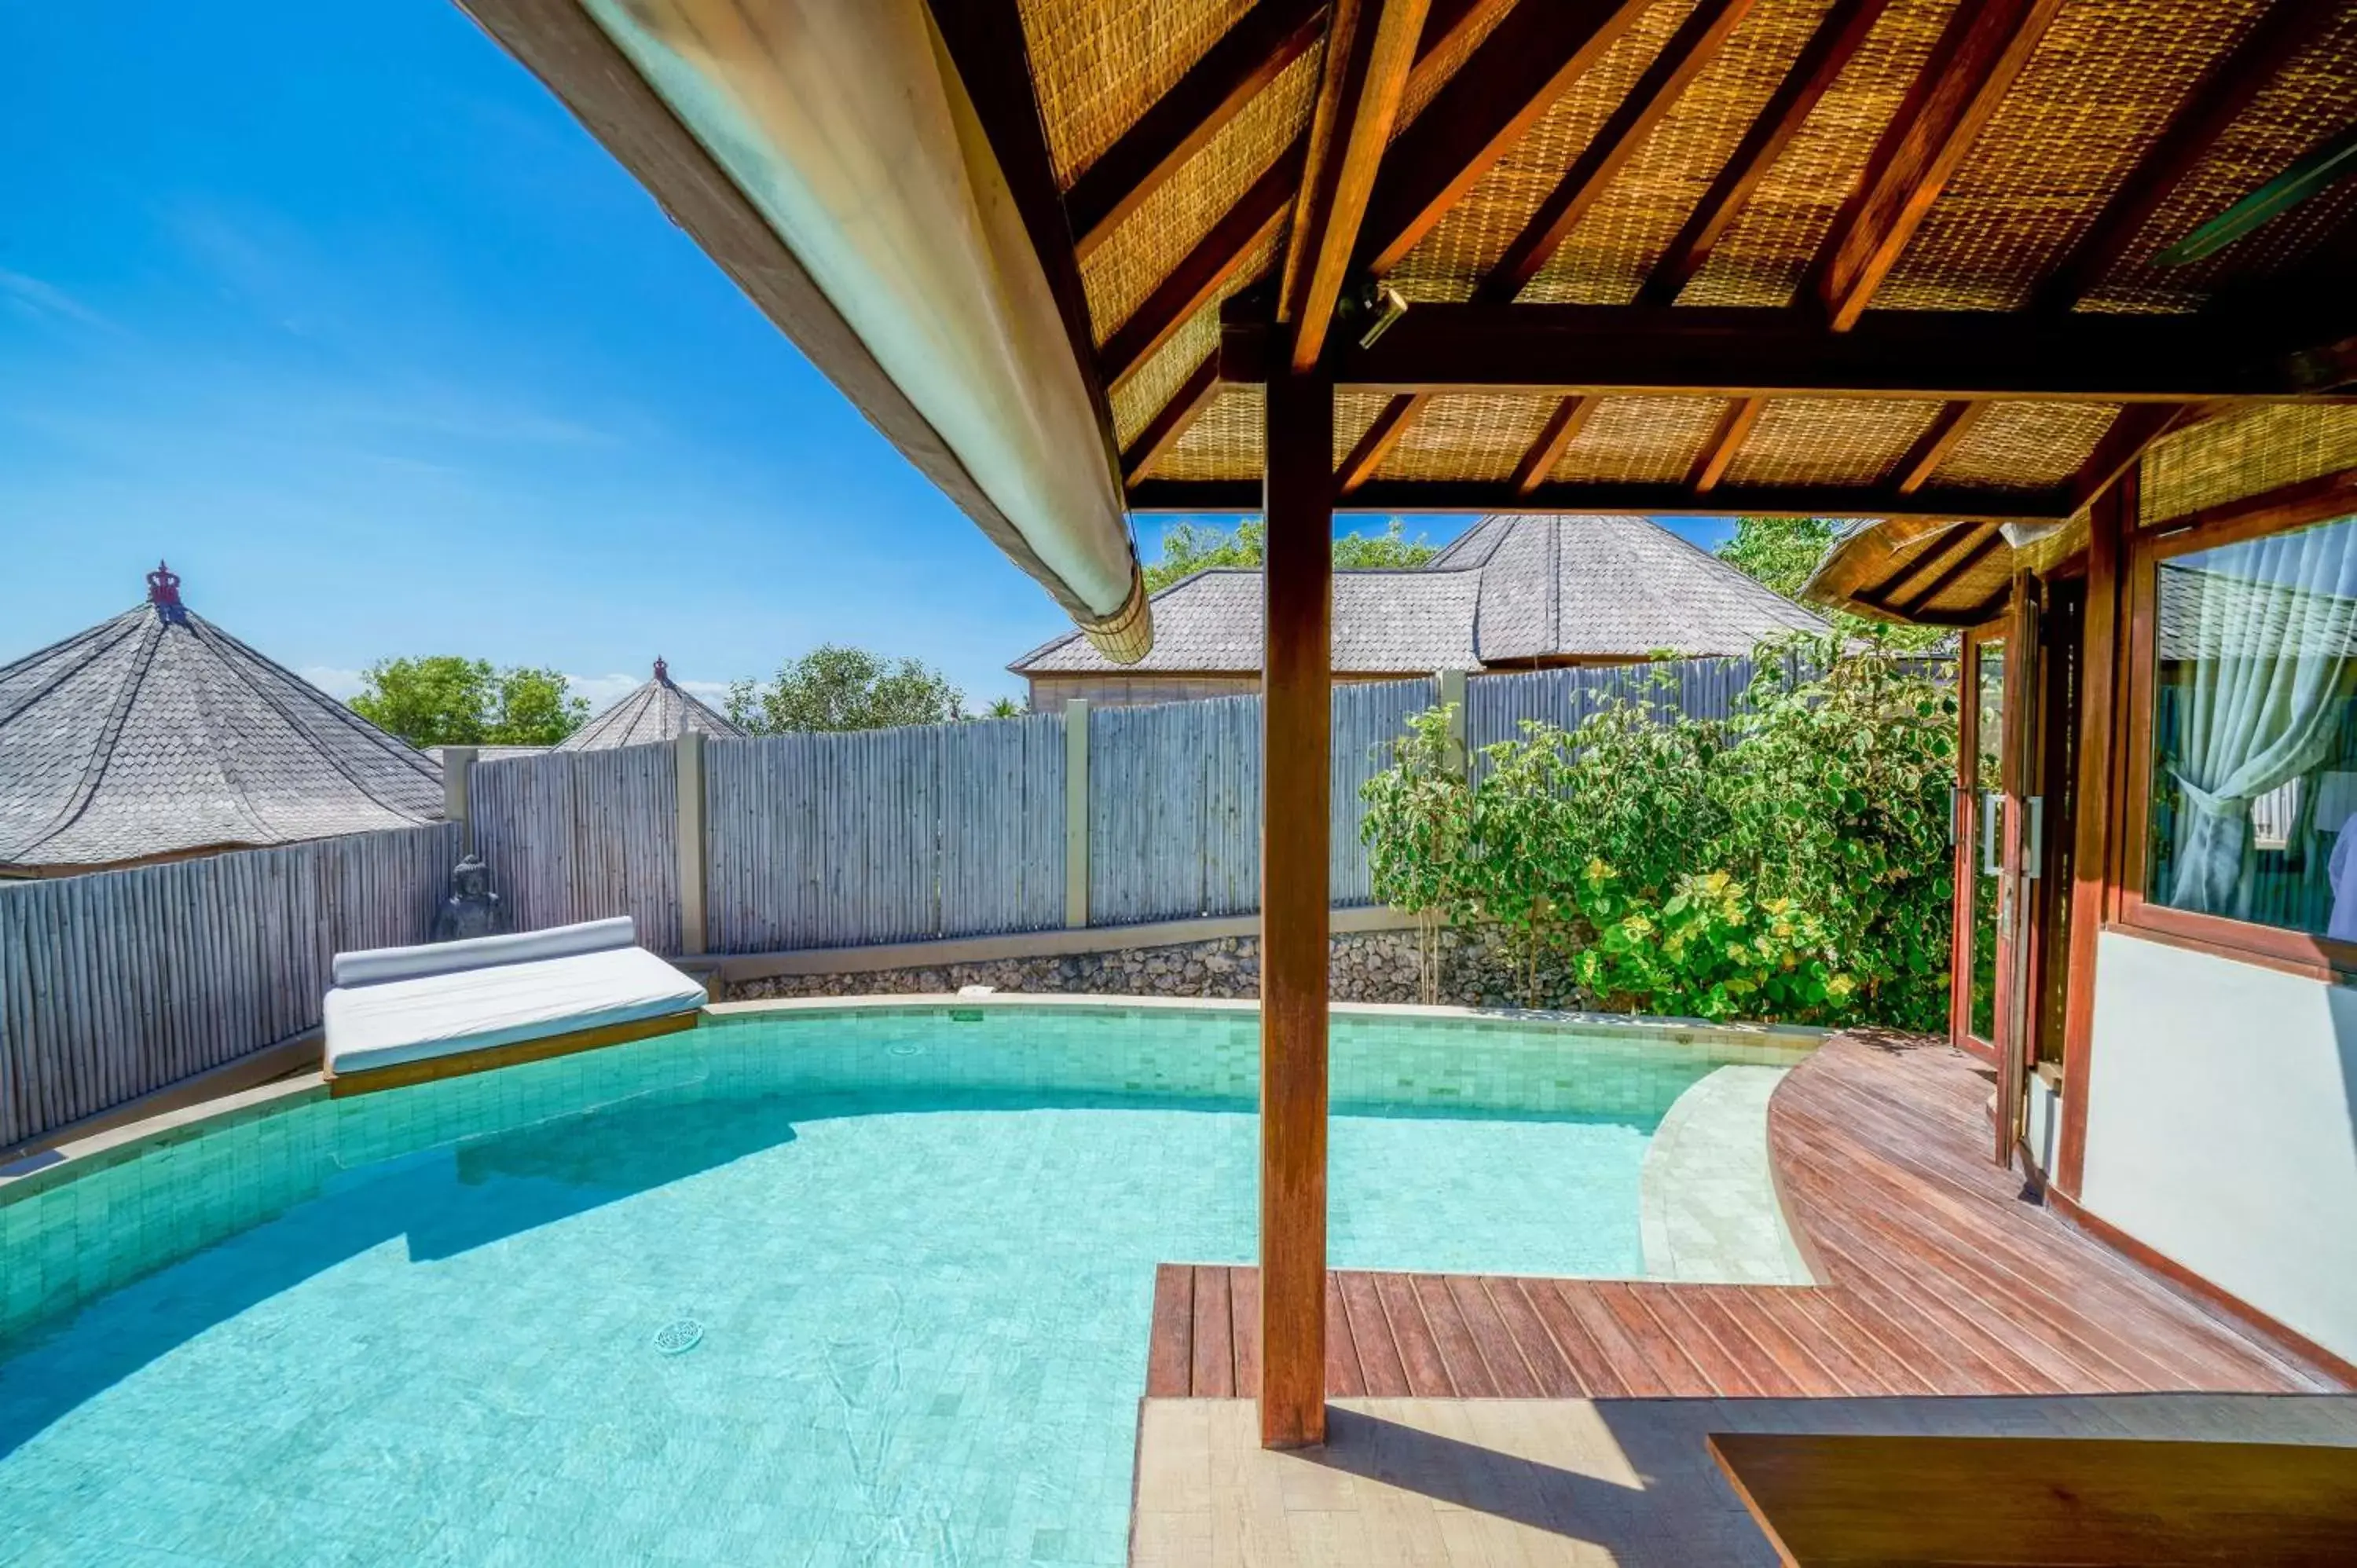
x=164, y=592
x=662, y=670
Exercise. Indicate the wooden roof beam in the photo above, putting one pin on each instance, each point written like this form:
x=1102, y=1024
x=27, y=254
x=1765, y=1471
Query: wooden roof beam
x=1360, y=465
x=1370, y=49
x=1734, y=430
x=1821, y=59
x=1755, y=352
x=1943, y=553
x=1247, y=58
x=2213, y=105
x=1216, y=259
x=1986, y=541
x=1168, y=424
x=1695, y=43
x=1499, y=93
x=1562, y=427
x=1974, y=64
x=1954, y=422
x=2136, y=428
x=1674, y=499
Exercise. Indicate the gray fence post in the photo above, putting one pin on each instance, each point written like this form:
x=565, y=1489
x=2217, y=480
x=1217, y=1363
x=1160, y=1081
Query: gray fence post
x=690, y=836
x=1076, y=811
x=457, y=762
x=1452, y=697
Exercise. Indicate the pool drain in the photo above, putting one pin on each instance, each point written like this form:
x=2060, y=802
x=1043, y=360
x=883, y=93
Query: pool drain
x=679, y=1337
x=904, y=1049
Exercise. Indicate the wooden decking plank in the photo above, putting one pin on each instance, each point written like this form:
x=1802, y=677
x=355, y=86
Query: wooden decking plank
x=1601, y=1376
x=1509, y=1370
x=1214, y=1357
x=1344, y=1378
x=1550, y=1368
x=1719, y=1358
x=1169, y=1356
x=1380, y=1373
x=1676, y=1370
x=1244, y=1329
x=1467, y=1373
x=1858, y=1367
x=1775, y=1358
x=1419, y=1353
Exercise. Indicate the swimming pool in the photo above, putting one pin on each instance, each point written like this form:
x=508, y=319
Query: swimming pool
x=912, y=1248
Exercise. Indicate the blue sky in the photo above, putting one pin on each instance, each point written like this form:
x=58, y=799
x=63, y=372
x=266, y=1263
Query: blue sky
x=334, y=306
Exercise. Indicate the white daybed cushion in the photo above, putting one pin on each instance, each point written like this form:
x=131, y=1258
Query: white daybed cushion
x=441, y=1014
x=376, y=965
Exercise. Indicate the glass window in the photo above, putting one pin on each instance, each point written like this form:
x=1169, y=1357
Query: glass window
x=2254, y=813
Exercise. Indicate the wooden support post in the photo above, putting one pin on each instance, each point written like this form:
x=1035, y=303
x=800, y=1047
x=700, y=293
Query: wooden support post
x=689, y=753
x=1297, y=724
x=1076, y=811
x=458, y=764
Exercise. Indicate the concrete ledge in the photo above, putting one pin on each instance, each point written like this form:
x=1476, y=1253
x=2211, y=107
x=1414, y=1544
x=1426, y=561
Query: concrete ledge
x=734, y=967
x=1707, y=1195
x=297, y=1054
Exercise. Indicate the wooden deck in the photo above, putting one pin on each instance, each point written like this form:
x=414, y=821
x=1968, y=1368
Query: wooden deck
x=1938, y=1279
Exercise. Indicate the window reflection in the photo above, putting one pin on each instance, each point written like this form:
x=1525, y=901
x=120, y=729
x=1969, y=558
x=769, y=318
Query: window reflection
x=2254, y=755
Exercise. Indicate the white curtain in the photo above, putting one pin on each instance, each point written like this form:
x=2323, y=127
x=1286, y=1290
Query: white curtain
x=2261, y=631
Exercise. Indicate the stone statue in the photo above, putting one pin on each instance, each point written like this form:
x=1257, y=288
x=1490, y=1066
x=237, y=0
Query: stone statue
x=472, y=909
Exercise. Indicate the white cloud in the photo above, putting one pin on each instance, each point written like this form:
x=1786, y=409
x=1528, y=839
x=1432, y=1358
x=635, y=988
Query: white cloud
x=602, y=691
x=341, y=684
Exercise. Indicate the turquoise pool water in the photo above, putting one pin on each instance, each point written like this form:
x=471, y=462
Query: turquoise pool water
x=420, y=1327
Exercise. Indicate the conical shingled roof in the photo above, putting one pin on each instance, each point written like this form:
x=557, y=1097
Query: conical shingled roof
x=656, y=711
x=157, y=733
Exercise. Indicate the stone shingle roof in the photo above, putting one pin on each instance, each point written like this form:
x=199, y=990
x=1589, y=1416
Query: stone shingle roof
x=1512, y=589
x=658, y=710
x=156, y=733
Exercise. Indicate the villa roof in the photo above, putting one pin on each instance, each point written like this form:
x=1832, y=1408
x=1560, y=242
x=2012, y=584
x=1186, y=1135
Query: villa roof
x=1513, y=590
x=657, y=710
x=156, y=733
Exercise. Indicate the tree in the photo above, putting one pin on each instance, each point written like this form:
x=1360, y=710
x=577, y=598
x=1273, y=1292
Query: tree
x=534, y=708
x=1190, y=547
x=836, y=688
x=1781, y=552
x=445, y=699
x=1003, y=708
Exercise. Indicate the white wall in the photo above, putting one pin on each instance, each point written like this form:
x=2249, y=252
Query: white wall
x=2222, y=1127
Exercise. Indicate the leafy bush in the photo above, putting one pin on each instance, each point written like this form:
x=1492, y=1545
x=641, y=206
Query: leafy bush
x=1788, y=863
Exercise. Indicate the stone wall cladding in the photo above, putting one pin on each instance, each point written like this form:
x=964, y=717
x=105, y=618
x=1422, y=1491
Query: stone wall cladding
x=1367, y=966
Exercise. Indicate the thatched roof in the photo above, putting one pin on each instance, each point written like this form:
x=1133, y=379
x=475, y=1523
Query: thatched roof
x=658, y=710
x=157, y=733
x=1859, y=258
x=1513, y=590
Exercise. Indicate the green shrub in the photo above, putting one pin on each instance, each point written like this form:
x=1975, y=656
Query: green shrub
x=1789, y=864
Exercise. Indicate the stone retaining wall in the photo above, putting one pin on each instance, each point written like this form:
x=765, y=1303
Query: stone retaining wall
x=1368, y=966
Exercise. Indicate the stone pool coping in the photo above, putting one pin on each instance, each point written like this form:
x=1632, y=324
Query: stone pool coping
x=43, y=1169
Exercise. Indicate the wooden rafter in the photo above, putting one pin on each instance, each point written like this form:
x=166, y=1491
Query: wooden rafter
x=1821, y=59
x=1734, y=429
x=1445, y=23
x=1696, y=42
x=1370, y=49
x=1391, y=423
x=2130, y=433
x=1984, y=544
x=2213, y=105
x=1942, y=553
x=1562, y=428
x=1215, y=260
x=1513, y=78
x=1248, y=57
x=1954, y=422
x=1970, y=68
x=1767, y=352
x=1163, y=431
x=1673, y=499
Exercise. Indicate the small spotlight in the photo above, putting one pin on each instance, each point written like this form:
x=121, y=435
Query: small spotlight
x=1383, y=305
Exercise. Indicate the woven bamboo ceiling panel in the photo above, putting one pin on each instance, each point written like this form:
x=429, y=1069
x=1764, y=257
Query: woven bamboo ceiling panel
x=2243, y=454
x=2075, y=105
